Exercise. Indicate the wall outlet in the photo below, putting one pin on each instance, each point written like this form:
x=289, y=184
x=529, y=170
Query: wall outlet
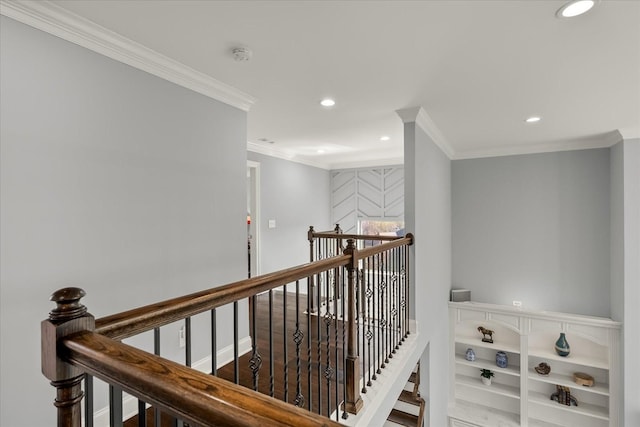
x=517, y=304
x=181, y=337
x=272, y=223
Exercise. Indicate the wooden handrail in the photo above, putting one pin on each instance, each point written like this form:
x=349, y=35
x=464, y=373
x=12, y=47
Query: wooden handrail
x=132, y=322
x=334, y=235
x=188, y=394
x=372, y=250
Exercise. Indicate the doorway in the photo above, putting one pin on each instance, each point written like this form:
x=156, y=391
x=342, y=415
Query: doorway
x=253, y=218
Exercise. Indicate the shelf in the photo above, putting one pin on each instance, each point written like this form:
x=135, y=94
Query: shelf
x=483, y=415
x=585, y=409
x=488, y=364
x=571, y=359
x=477, y=342
x=495, y=387
x=568, y=381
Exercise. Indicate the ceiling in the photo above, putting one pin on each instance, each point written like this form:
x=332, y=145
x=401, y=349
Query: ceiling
x=477, y=68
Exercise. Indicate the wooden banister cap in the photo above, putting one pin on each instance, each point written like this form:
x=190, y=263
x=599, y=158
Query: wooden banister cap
x=67, y=304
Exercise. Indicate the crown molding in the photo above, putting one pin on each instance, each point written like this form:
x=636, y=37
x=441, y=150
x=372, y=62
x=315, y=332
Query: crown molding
x=605, y=140
x=55, y=20
x=422, y=119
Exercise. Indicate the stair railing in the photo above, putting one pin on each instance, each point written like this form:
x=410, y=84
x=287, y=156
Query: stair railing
x=77, y=347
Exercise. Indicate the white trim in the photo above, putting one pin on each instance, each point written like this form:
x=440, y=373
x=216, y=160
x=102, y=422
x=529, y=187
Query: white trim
x=62, y=23
x=130, y=403
x=422, y=119
x=285, y=155
x=391, y=161
x=599, y=141
x=256, y=217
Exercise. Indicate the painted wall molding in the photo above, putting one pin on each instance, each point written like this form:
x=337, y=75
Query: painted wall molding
x=422, y=119
x=55, y=20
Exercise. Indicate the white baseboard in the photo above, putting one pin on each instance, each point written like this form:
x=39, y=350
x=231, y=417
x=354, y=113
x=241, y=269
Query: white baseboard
x=130, y=403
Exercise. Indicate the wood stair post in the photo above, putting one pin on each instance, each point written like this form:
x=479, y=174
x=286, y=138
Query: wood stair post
x=353, y=402
x=67, y=318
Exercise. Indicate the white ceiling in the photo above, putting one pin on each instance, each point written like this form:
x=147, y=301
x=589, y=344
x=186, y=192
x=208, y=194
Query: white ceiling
x=478, y=68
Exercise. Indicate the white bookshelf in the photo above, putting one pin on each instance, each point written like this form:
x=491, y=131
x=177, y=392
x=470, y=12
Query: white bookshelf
x=518, y=395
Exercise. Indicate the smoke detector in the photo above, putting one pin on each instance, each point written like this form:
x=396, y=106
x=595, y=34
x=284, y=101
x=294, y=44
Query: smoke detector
x=241, y=53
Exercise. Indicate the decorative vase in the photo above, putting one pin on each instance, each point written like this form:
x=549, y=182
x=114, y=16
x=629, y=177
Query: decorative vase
x=501, y=359
x=470, y=355
x=562, y=346
x=485, y=380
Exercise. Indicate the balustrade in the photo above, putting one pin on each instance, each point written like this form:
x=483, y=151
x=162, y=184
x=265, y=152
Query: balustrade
x=320, y=332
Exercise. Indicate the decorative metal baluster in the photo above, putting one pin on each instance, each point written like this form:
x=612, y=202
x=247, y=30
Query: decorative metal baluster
x=88, y=401
x=310, y=296
x=383, y=309
x=271, y=363
x=187, y=328
x=335, y=344
x=285, y=342
x=400, y=317
x=236, y=359
x=115, y=406
x=394, y=306
x=319, y=346
x=328, y=371
x=142, y=414
x=407, y=286
x=214, y=344
x=255, y=363
x=368, y=318
x=345, y=319
x=373, y=320
x=156, y=351
x=298, y=336
x=378, y=283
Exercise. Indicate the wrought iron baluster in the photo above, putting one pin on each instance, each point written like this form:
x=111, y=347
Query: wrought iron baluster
x=256, y=360
x=298, y=336
x=156, y=351
x=88, y=400
x=142, y=414
x=328, y=371
x=345, y=319
x=285, y=343
x=115, y=406
x=310, y=296
x=214, y=344
x=236, y=359
x=271, y=362
x=319, y=346
x=335, y=345
x=367, y=319
x=187, y=355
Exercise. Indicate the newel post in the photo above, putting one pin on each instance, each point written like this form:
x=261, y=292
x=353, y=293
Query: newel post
x=311, y=237
x=67, y=318
x=353, y=402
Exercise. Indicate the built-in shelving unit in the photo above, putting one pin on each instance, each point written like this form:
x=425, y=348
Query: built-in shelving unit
x=518, y=395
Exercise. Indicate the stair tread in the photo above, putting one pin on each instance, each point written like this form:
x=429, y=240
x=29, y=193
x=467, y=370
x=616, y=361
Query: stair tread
x=403, y=418
x=407, y=397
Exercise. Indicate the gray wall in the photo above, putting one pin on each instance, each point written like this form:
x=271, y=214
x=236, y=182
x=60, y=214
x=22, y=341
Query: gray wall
x=112, y=180
x=625, y=263
x=296, y=196
x=428, y=215
x=534, y=228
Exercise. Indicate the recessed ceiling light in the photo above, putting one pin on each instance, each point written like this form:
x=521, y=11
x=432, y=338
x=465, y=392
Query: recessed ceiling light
x=320, y=151
x=327, y=102
x=533, y=119
x=384, y=138
x=575, y=8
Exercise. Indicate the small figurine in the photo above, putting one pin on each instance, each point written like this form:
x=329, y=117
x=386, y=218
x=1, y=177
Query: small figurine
x=487, y=334
x=543, y=369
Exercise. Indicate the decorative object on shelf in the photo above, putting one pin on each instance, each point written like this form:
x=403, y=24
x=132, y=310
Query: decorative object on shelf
x=563, y=396
x=583, y=379
x=470, y=355
x=485, y=375
x=543, y=369
x=487, y=334
x=562, y=346
x=501, y=359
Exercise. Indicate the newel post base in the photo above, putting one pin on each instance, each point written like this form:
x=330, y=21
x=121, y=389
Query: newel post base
x=67, y=318
x=353, y=402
